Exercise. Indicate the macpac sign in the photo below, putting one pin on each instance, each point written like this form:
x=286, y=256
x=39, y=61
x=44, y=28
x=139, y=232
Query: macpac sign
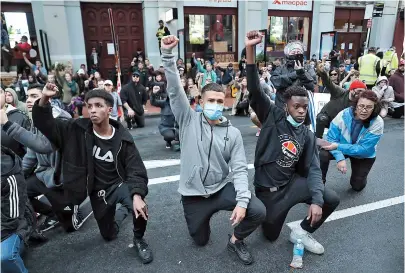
x=290, y=4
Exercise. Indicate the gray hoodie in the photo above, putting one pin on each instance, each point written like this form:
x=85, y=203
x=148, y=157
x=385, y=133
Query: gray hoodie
x=40, y=153
x=217, y=148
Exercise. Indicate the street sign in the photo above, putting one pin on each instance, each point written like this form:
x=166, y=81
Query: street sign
x=369, y=23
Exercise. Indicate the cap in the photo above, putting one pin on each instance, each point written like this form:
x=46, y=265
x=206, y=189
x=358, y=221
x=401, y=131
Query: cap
x=342, y=65
x=108, y=82
x=357, y=84
x=136, y=73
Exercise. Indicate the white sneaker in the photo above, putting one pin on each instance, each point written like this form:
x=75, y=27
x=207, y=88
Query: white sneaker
x=308, y=241
x=258, y=133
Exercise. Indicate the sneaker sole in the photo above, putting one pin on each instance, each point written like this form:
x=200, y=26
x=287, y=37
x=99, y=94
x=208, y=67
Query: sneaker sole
x=231, y=249
x=50, y=227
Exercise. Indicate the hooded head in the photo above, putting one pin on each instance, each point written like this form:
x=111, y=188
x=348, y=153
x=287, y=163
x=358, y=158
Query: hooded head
x=294, y=51
x=11, y=97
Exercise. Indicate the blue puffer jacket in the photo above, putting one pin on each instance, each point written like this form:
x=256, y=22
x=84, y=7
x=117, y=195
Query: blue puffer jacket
x=340, y=132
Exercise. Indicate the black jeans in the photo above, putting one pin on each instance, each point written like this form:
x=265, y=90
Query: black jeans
x=398, y=112
x=56, y=198
x=279, y=203
x=170, y=135
x=322, y=122
x=198, y=211
x=360, y=169
x=138, y=120
x=109, y=218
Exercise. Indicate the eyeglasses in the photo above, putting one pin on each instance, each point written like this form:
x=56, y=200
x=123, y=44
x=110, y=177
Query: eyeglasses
x=362, y=107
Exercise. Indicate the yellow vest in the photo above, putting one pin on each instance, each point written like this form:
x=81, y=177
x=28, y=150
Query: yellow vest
x=161, y=32
x=367, y=65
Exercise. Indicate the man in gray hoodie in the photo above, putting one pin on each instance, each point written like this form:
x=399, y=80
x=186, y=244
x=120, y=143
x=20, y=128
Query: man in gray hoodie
x=205, y=184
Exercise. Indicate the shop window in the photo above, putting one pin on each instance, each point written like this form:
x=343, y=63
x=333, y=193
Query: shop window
x=219, y=31
x=16, y=25
x=356, y=25
x=341, y=25
x=285, y=29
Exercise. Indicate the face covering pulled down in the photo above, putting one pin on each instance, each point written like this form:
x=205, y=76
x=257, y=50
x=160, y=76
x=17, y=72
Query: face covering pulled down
x=213, y=111
x=292, y=121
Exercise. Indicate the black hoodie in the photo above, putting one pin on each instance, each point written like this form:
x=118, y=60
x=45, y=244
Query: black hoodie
x=75, y=139
x=16, y=218
x=135, y=95
x=296, y=152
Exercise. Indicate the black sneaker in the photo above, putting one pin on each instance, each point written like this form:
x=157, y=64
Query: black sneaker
x=49, y=223
x=81, y=214
x=144, y=252
x=168, y=144
x=240, y=248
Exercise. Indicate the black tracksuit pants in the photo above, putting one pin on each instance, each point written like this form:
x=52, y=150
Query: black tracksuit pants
x=278, y=204
x=170, y=134
x=56, y=198
x=198, y=211
x=360, y=169
x=138, y=120
x=109, y=217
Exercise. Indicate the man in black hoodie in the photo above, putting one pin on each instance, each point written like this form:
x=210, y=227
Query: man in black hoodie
x=287, y=160
x=100, y=159
x=134, y=98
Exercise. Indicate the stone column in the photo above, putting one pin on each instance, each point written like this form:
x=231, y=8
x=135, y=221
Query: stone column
x=382, y=30
x=323, y=19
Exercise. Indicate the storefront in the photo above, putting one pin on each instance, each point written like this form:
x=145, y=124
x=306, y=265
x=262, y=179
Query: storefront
x=351, y=31
x=211, y=26
x=18, y=20
x=288, y=21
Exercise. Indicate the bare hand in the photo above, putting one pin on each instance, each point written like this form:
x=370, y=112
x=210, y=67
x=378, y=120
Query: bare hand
x=36, y=72
x=321, y=67
x=50, y=90
x=169, y=42
x=330, y=147
x=3, y=117
x=155, y=89
x=238, y=215
x=253, y=38
x=314, y=213
x=140, y=207
x=341, y=166
x=24, y=54
x=193, y=55
x=132, y=63
x=298, y=65
x=131, y=113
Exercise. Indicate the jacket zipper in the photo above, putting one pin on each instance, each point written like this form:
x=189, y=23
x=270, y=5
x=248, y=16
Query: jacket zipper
x=209, y=156
x=116, y=164
x=360, y=137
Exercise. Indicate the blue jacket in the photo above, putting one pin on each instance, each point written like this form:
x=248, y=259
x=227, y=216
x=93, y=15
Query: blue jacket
x=340, y=132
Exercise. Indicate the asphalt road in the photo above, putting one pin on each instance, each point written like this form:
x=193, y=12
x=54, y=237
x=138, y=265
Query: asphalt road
x=370, y=242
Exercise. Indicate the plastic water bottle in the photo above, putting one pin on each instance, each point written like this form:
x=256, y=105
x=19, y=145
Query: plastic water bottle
x=298, y=253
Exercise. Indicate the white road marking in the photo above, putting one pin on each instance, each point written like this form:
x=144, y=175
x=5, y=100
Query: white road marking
x=152, y=164
x=174, y=178
x=340, y=214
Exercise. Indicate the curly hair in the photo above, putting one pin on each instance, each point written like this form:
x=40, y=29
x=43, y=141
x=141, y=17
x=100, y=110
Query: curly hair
x=369, y=95
x=295, y=90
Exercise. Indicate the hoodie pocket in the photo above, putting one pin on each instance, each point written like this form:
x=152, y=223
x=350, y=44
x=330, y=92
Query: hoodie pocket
x=213, y=178
x=74, y=178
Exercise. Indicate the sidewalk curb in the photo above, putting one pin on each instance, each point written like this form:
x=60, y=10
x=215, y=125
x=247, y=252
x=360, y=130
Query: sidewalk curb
x=157, y=115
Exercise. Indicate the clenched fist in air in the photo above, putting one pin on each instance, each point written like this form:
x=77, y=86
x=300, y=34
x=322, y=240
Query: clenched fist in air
x=253, y=38
x=169, y=42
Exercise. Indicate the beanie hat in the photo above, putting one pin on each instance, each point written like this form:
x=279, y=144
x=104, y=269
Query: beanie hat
x=294, y=46
x=357, y=84
x=382, y=78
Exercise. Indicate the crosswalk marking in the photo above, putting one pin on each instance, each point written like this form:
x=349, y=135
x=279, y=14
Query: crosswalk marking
x=340, y=214
x=174, y=178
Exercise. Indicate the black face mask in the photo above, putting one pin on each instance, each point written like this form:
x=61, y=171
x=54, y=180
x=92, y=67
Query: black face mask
x=297, y=57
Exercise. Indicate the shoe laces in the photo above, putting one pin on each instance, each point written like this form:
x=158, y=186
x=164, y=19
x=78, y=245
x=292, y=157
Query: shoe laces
x=242, y=246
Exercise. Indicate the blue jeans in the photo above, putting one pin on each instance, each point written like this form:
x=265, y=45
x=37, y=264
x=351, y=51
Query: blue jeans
x=11, y=261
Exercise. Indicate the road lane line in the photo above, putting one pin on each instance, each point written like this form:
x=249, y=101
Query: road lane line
x=344, y=213
x=153, y=164
x=174, y=178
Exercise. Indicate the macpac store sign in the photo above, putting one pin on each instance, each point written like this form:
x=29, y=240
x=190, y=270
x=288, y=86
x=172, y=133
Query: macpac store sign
x=290, y=4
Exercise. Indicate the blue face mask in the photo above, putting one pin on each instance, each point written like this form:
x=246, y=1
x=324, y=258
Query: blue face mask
x=293, y=122
x=213, y=111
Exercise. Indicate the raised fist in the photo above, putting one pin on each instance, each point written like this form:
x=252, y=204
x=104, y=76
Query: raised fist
x=193, y=55
x=253, y=38
x=50, y=90
x=169, y=42
x=320, y=68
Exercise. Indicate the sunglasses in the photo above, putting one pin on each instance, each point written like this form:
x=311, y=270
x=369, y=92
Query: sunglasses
x=333, y=74
x=107, y=85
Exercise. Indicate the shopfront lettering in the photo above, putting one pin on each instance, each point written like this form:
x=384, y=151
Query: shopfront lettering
x=292, y=3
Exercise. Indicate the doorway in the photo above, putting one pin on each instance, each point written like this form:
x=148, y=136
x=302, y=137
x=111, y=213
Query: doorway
x=349, y=45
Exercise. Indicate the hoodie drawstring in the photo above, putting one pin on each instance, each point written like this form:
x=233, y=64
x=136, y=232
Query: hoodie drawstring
x=226, y=136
